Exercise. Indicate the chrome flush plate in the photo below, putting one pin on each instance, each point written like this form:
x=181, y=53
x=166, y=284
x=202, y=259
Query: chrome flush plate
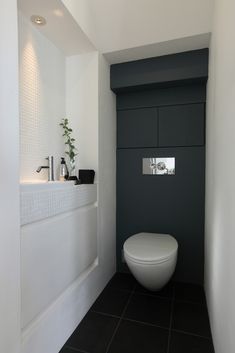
x=159, y=166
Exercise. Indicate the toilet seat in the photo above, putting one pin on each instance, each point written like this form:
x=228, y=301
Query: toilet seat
x=148, y=263
x=150, y=248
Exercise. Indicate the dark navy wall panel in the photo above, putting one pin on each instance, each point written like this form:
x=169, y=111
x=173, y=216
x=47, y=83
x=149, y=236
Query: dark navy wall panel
x=137, y=128
x=167, y=121
x=164, y=204
x=169, y=69
x=161, y=97
x=182, y=125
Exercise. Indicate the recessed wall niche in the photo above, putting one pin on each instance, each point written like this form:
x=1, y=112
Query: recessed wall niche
x=42, y=99
x=54, y=85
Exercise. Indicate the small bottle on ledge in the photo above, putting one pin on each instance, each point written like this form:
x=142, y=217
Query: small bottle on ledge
x=63, y=170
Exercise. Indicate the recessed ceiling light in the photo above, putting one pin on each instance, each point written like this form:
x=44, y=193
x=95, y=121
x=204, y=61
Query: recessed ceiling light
x=38, y=20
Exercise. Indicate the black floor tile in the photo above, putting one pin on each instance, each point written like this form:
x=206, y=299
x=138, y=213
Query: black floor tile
x=133, y=337
x=136, y=333
x=166, y=292
x=122, y=281
x=111, y=302
x=192, y=318
x=182, y=343
x=149, y=309
x=190, y=293
x=93, y=334
x=69, y=350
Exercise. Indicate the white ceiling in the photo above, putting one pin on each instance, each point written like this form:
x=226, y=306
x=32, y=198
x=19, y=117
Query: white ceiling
x=61, y=27
x=124, y=29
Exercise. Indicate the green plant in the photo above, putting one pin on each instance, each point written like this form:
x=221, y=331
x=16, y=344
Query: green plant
x=70, y=142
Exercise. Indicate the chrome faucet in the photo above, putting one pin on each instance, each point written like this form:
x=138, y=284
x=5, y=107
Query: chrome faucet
x=50, y=168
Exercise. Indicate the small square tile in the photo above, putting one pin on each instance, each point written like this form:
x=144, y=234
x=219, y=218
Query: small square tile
x=149, y=309
x=190, y=293
x=111, y=302
x=165, y=292
x=122, y=281
x=93, y=333
x=191, y=318
x=133, y=337
x=182, y=343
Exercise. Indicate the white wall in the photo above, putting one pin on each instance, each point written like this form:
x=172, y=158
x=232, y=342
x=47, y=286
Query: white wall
x=107, y=169
x=220, y=179
x=9, y=180
x=42, y=101
x=179, y=45
x=82, y=106
x=113, y=25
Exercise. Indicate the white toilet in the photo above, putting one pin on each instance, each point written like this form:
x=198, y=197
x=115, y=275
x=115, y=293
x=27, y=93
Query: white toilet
x=151, y=258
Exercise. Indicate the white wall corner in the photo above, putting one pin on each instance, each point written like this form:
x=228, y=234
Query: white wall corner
x=82, y=106
x=220, y=189
x=107, y=167
x=9, y=182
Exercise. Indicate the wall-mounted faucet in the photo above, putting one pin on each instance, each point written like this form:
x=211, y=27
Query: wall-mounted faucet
x=50, y=168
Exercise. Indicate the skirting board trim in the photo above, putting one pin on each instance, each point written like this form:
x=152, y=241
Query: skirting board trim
x=57, y=306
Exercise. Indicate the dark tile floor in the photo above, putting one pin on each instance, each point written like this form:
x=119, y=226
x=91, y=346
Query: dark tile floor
x=127, y=318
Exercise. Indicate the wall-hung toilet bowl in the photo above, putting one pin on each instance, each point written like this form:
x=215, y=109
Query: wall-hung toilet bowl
x=151, y=258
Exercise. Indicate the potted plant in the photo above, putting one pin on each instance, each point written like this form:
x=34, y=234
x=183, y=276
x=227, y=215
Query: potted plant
x=71, y=149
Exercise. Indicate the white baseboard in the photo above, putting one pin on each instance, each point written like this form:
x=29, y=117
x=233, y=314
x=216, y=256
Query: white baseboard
x=50, y=330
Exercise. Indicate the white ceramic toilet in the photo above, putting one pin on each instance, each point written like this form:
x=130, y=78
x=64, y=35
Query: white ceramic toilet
x=151, y=258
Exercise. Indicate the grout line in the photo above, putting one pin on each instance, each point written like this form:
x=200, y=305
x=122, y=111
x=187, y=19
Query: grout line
x=119, y=322
x=158, y=147
x=117, y=289
x=191, y=302
x=105, y=314
x=76, y=349
x=171, y=320
x=146, y=323
x=173, y=294
x=150, y=324
x=158, y=125
x=132, y=320
x=200, y=101
x=191, y=334
x=154, y=295
x=201, y=303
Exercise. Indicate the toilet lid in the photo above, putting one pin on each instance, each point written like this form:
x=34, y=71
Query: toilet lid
x=150, y=247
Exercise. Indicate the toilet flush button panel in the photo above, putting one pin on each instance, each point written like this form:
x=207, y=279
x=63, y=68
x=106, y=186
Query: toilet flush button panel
x=159, y=166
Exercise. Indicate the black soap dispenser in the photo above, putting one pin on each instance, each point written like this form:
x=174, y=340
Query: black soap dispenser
x=64, y=174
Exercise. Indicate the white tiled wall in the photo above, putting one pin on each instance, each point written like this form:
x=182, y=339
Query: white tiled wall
x=42, y=203
x=42, y=100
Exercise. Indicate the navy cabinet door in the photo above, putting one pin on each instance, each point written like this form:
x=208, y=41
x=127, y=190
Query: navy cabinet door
x=137, y=128
x=181, y=125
